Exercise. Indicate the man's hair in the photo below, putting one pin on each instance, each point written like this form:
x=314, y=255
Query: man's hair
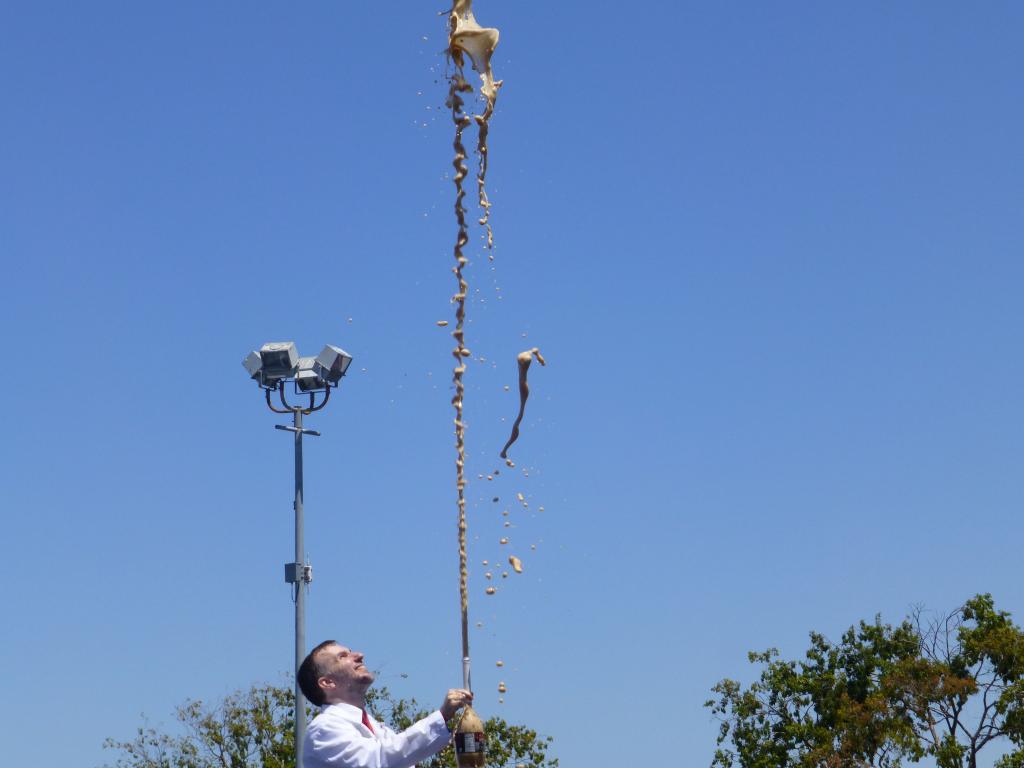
x=310, y=671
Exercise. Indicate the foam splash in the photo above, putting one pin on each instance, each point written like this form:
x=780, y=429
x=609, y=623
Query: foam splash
x=467, y=38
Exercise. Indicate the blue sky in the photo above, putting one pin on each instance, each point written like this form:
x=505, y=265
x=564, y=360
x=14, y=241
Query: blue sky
x=771, y=252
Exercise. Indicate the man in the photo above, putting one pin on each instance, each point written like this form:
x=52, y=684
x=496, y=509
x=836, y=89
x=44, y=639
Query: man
x=345, y=735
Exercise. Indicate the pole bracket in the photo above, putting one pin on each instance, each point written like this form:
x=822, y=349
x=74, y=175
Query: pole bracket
x=297, y=572
x=312, y=432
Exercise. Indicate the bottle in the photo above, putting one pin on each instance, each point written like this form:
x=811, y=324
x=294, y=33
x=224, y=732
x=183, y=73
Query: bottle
x=470, y=740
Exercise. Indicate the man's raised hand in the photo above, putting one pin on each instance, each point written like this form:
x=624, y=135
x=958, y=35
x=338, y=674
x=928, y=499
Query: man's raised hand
x=454, y=700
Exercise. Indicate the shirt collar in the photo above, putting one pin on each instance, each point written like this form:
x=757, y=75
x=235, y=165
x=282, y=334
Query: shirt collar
x=347, y=711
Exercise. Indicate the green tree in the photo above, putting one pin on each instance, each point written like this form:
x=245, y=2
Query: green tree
x=255, y=729
x=883, y=696
x=833, y=708
x=967, y=688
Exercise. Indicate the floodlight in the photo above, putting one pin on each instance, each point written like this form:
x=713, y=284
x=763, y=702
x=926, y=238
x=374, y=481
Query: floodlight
x=253, y=364
x=279, y=359
x=331, y=364
x=307, y=379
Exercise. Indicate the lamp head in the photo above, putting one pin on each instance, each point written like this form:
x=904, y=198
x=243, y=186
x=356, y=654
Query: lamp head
x=307, y=378
x=279, y=359
x=332, y=363
x=253, y=364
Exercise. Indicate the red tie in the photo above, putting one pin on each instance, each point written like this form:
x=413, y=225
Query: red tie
x=366, y=721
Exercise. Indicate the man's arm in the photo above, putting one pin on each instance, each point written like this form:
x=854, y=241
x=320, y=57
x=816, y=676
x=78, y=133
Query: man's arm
x=339, y=743
x=342, y=745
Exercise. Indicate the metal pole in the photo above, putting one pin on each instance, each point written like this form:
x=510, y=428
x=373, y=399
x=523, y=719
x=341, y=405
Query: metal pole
x=300, y=598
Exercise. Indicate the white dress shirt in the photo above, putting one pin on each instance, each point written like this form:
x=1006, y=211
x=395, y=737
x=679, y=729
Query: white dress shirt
x=337, y=738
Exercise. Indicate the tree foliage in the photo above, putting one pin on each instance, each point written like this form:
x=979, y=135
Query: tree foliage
x=883, y=696
x=255, y=729
x=508, y=746
x=969, y=688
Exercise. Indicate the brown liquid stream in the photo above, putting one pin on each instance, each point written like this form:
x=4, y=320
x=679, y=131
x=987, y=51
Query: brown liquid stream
x=524, y=359
x=467, y=38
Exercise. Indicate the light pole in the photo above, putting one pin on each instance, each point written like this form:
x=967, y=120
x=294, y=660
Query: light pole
x=272, y=367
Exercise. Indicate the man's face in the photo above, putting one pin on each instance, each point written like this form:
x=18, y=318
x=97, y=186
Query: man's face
x=343, y=670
